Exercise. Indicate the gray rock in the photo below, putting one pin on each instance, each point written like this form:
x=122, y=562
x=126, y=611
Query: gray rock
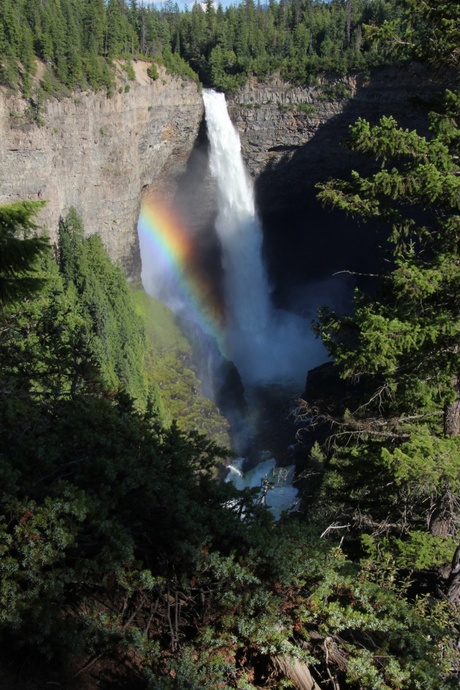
x=97, y=153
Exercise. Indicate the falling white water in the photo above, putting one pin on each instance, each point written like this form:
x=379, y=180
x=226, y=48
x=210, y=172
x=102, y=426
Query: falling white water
x=237, y=225
x=267, y=345
x=280, y=496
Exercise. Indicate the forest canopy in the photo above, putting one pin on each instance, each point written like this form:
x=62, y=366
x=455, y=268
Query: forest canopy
x=78, y=40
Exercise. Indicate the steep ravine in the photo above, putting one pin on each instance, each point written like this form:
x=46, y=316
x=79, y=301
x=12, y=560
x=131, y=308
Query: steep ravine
x=99, y=154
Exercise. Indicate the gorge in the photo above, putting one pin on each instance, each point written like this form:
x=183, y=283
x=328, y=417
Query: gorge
x=103, y=155
x=126, y=561
x=98, y=153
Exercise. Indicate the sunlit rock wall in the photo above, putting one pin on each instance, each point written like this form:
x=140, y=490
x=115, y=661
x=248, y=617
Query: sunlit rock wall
x=97, y=153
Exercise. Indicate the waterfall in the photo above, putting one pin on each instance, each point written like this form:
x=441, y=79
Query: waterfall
x=238, y=227
x=267, y=345
x=228, y=311
x=235, y=312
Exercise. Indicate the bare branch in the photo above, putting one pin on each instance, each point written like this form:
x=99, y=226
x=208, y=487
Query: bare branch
x=355, y=427
x=333, y=526
x=357, y=273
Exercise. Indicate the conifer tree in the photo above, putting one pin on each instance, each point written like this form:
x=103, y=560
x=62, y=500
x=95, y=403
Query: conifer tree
x=403, y=341
x=19, y=250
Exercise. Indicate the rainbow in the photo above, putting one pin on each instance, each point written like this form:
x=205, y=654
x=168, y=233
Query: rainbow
x=165, y=239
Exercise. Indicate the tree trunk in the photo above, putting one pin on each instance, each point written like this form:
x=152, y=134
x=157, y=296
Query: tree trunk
x=348, y=29
x=297, y=671
x=442, y=518
x=452, y=419
x=453, y=583
x=452, y=413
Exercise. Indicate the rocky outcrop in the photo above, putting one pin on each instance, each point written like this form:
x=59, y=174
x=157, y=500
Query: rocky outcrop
x=292, y=138
x=97, y=153
x=278, y=121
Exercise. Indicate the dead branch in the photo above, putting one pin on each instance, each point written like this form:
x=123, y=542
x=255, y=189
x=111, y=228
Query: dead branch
x=333, y=526
x=357, y=273
x=297, y=671
x=88, y=665
x=328, y=642
x=378, y=527
x=453, y=583
x=352, y=426
x=379, y=394
x=173, y=626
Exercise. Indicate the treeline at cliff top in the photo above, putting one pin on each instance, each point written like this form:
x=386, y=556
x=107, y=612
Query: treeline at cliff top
x=78, y=40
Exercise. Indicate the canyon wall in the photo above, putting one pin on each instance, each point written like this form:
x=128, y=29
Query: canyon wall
x=97, y=153
x=292, y=138
x=279, y=122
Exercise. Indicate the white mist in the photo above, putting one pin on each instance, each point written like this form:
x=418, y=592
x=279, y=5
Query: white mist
x=266, y=345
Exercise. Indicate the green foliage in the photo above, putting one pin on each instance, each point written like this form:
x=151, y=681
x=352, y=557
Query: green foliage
x=114, y=331
x=225, y=72
x=306, y=108
x=19, y=251
x=129, y=69
x=76, y=463
x=152, y=71
x=169, y=367
x=430, y=30
x=175, y=64
x=404, y=328
x=298, y=599
x=424, y=551
x=118, y=544
x=78, y=40
x=394, y=458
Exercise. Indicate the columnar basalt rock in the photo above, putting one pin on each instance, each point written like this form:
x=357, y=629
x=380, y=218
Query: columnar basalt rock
x=97, y=153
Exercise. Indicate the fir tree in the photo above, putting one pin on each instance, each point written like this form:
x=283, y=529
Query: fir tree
x=402, y=342
x=19, y=250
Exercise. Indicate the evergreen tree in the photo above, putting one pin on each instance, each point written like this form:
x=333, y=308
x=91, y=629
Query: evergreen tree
x=77, y=40
x=19, y=251
x=402, y=342
x=114, y=331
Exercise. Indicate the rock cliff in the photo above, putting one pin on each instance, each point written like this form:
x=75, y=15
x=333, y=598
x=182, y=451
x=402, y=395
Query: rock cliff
x=277, y=121
x=293, y=138
x=97, y=153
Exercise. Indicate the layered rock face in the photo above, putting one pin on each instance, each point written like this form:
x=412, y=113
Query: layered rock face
x=281, y=124
x=292, y=138
x=97, y=153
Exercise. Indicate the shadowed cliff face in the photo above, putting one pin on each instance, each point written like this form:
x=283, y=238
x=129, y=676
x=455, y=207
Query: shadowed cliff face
x=97, y=153
x=293, y=138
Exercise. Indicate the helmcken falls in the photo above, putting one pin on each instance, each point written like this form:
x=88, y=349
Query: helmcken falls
x=232, y=318
x=246, y=289
x=267, y=345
